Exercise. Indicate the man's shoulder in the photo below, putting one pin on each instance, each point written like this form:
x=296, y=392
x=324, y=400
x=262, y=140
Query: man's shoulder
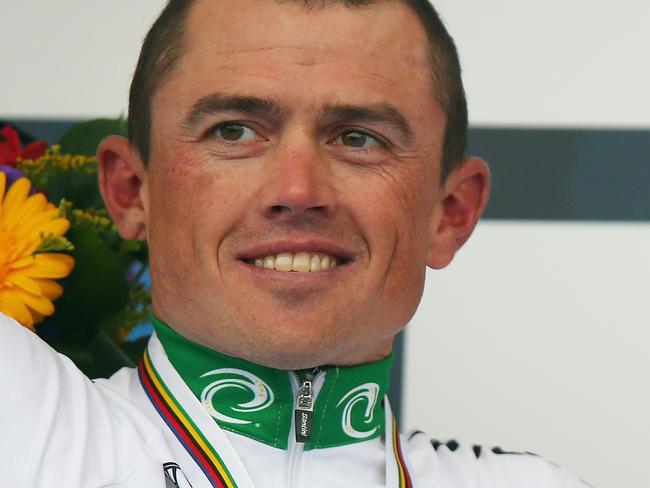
x=22, y=349
x=455, y=465
x=54, y=406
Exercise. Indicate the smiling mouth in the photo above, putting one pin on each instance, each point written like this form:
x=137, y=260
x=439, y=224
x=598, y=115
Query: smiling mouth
x=299, y=262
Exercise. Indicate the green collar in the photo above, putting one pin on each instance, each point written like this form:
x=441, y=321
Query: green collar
x=259, y=402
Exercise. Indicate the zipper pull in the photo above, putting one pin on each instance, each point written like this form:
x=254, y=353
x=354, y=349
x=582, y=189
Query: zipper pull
x=304, y=408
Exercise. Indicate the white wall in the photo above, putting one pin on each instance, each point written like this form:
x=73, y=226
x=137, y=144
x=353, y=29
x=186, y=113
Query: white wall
x=569, y=62
x=536, y=337
x=70, y=58
x=573, y=62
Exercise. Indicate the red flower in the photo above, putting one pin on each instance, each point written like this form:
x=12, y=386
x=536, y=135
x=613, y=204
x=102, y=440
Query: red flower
x=11, y=150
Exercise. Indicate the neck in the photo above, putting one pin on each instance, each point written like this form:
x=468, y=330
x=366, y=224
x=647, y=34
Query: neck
x=262, y=403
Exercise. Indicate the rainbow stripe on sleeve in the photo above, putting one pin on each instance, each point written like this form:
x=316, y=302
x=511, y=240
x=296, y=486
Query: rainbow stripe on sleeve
x=402, y=471
x=182, y=426
x=197, y=445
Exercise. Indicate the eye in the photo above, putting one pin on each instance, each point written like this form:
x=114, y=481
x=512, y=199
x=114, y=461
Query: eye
x=357, y=139
x=233, y=132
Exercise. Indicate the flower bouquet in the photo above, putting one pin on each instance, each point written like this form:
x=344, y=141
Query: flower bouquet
x=64, y=270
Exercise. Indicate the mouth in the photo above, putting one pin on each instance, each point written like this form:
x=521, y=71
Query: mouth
x=291, y=258
x=300, y=262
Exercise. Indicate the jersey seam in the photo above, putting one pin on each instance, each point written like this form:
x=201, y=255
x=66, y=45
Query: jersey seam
x=251, y=436
x=277, y=424
x=327, y=402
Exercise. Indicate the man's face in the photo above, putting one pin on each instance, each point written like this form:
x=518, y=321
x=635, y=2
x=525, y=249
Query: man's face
x=282, y=133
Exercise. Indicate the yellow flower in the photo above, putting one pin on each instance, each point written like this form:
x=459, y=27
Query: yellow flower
x=27, y=285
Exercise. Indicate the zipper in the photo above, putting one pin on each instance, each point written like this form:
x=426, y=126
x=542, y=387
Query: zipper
x=303, y=411
x=305, y=393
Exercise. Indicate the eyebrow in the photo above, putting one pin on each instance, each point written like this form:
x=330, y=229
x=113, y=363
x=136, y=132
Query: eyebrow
x=382, y=113
x=217, y=103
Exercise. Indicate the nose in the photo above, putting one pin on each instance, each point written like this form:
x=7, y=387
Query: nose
x=298, y=181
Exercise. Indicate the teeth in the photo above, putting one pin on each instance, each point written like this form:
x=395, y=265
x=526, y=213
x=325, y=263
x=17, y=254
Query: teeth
x=325, y=262
x=284, y=262
x=301, y=262
x=314, y=265
x=269, y=262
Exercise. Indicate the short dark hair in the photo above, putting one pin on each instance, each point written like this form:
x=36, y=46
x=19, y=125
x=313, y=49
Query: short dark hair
x=163, y=46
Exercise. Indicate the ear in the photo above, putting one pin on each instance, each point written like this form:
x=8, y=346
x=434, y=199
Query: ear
x=465, y=195
x=122, y=182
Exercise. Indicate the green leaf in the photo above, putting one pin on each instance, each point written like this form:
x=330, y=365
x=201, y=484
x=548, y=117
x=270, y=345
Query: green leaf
x=80, y=355
x=79, y=188
x=107, y=356
x=51, y=243
x=83, y=138
x=95, y=290
x=97, y=357
x=135, y=349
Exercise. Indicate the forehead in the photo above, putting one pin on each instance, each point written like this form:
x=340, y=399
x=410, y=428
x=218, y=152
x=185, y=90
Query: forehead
x=305, y=56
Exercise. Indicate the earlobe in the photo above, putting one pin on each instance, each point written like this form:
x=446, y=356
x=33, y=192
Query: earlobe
x=122, y=182
x=466, y=193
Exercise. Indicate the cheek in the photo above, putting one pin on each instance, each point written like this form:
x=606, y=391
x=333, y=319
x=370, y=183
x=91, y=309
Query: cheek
x=174, y=197
x=197, y=203
x=407, y=211
x=394, y=207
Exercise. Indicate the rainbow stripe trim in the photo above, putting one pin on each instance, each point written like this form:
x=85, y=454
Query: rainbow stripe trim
x=402, y=472
x=182, y=426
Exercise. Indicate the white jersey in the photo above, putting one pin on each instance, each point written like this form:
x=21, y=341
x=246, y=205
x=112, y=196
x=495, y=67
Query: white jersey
x=60, y=429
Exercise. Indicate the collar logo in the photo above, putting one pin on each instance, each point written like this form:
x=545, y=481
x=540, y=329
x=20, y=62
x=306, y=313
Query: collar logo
x=230, y=378
x=367, y=393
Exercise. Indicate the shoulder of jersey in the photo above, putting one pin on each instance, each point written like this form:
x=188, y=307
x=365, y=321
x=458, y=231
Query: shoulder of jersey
x=450, y=464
